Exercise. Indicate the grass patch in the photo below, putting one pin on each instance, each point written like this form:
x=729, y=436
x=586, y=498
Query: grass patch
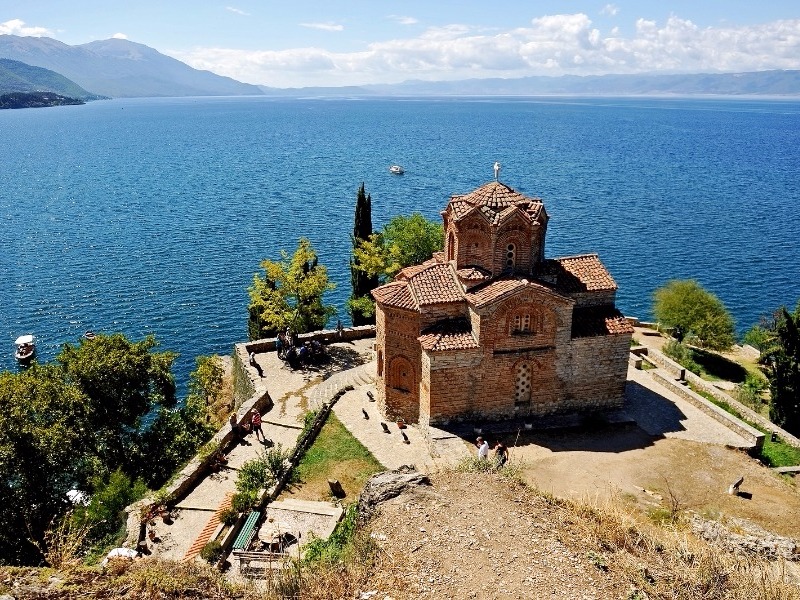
x=779, y=453
x=714, y=366
x=335, y=454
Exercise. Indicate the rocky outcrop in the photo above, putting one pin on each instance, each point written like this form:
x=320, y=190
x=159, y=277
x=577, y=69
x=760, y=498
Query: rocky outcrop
x=387, y=485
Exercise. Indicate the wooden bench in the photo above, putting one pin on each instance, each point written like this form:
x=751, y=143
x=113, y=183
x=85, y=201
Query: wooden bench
x=242, y=541
x=265, y=561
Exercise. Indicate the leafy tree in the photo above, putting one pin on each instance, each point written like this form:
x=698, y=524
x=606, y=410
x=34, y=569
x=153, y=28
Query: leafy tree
x=362, y=310
x=43, y=420
x=289, y=294
x=205, y=382
x=122, y=382
x=404, y=241
x=105, y=511
x=781, y=363
x=695, y=313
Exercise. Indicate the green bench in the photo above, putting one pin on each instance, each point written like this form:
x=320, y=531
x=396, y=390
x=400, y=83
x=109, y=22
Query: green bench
x=242, y=541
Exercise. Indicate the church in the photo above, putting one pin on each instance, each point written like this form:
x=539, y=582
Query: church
x=491, y=329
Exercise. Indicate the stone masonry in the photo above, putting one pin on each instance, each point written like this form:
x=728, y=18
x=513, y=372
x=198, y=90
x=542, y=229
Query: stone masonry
x=491, y=329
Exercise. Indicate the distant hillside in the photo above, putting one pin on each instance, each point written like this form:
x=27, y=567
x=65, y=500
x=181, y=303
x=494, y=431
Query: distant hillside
x=766, y=83
x=17, y=76
x=35, y=100
x=120, y=68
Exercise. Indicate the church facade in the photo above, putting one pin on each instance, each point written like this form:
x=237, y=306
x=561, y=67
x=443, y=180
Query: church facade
x=491, y=329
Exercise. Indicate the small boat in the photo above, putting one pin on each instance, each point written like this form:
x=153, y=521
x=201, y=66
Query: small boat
x=26, y=348
x=396, y=170
x=89, y=335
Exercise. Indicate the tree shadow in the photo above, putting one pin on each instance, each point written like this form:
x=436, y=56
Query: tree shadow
x=719, y=366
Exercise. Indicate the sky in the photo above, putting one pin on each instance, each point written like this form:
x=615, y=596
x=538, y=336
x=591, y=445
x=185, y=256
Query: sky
x=296, y=43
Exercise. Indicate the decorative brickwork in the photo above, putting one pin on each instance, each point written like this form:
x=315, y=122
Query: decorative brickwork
x=489, y=329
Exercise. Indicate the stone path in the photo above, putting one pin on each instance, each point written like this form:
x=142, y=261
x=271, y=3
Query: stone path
x=656, y=410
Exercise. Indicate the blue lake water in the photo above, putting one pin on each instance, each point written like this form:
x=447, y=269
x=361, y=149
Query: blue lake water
x=151, y=215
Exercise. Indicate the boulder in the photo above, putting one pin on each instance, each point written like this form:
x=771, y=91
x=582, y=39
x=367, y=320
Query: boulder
x=387, y=485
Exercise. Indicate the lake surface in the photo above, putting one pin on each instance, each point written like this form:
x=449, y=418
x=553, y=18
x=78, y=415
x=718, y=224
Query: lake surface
x=151, y=215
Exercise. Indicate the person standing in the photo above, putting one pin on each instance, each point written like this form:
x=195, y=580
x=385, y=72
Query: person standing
x=483, y=448
x=255, y=419
x=500, y=453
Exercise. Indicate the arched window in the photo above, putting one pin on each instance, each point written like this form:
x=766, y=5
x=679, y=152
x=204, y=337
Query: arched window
x=522, y=384
x=521, y=323
x=380, y=363
x=401, y=376
x=511, y=256
x=451, y=246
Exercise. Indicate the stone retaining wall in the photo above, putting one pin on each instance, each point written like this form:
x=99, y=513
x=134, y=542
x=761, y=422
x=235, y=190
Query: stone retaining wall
x=658, y=358
x=751, y=434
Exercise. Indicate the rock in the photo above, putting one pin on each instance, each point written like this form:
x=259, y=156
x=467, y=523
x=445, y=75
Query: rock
x=385, y=486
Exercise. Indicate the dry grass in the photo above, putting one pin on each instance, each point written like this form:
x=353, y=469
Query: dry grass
x=667, y=561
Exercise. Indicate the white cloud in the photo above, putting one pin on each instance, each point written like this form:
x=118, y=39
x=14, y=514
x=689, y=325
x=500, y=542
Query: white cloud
x=18, y=27
x=610, y=9
x=404, y=20
x=549, y=45
x=238, y=11
x=119, y=36
x=323, y=26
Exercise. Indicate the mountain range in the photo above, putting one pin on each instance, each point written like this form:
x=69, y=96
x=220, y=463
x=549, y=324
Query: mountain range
x=121, y=68
x=763, y=83
x=19, y=77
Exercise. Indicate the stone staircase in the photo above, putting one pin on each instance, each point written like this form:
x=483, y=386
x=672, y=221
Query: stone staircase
x=208, y=530
x=356, y=377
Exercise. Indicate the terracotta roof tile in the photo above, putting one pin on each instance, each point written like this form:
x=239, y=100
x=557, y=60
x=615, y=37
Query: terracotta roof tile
x=496, y=201
x=435, y=285
x=408, y=272
x=494, y=290
x=473, y=274
x=599, y=320
x=576, y=274
x=453, y=334
x=396, y=294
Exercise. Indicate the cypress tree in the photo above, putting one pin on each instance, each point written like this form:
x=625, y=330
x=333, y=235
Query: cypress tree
x=361, y=282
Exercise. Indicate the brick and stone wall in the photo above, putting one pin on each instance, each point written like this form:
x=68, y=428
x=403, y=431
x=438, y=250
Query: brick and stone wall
x=599, y=371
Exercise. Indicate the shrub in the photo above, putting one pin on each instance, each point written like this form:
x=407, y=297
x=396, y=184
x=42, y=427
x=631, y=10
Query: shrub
x=682, y=355
x=211, y=552
x=244, y=501
x=229, y=516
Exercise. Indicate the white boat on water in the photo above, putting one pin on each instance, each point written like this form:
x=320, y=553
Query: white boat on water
x=26, y=348
x=396, y=170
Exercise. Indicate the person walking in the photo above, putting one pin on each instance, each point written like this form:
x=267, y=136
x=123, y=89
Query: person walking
x=255, y=419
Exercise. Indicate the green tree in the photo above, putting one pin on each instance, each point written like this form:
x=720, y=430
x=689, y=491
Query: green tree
x=781, y=363
x=43, y=421
x=122, y=382
x=404, y=241
x=362, y=309
x=289, y=294
x=694, y=312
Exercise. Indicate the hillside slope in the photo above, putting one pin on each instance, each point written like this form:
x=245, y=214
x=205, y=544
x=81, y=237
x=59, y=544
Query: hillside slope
x=16, y=76
x=120, y=68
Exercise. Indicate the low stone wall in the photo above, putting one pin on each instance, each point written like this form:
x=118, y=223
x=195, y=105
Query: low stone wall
x=743, y=410
x=661, y=360
x=326, y=336
x=658, y=358
x=715, y=412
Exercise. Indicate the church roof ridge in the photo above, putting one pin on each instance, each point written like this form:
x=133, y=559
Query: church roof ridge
x=496, y=201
